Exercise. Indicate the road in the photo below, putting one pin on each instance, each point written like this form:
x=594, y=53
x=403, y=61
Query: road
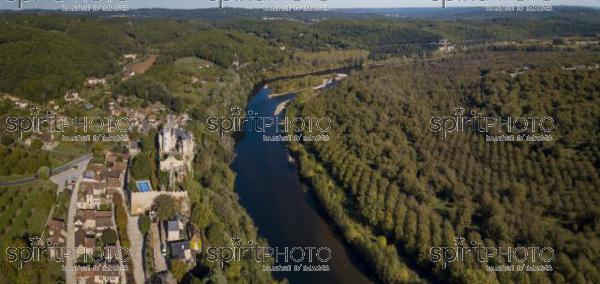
x=56, y=171
x=70, y=277
x=136, y=240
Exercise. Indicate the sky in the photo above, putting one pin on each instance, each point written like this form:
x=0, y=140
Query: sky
x=332, y=4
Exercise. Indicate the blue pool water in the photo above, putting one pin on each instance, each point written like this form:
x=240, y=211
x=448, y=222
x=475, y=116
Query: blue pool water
x=144, y=186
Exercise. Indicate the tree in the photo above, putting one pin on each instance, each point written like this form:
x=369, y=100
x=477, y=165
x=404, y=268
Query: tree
x=201, y=214
x=98, y=150
x=144, y=224
x=121, y=219
x=43, y=173
x=179, y=269
x=140, y=167
x=149, y=141
x=109, y=237
x=166, y=207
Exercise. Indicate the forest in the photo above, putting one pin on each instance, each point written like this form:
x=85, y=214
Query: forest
x=45, y=55
x=386, y=171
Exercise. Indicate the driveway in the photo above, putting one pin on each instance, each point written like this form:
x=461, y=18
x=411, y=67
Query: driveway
x=137, y=244
x=160, y=264
x=136, y=240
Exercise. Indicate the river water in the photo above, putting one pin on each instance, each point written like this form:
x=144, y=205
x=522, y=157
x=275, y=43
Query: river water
x=270, y=189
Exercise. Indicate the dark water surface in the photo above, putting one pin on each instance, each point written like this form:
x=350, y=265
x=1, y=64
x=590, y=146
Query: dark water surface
x=271, y=191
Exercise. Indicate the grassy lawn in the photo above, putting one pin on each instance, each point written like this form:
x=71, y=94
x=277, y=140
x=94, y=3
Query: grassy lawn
x=58, y=159
x=75, y=149
x=13, y=177
x=60, y=155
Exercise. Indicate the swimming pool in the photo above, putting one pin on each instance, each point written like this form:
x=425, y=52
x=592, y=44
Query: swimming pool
x=144, y=186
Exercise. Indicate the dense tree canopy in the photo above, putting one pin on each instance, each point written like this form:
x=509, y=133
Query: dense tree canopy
x=421, y=190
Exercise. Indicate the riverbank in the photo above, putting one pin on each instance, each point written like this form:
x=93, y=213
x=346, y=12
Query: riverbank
x=381, y=259
x=326, y=82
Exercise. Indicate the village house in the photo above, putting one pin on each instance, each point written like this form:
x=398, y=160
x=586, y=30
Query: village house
x=84, y=276
x=120, y=166
x=19, y=103
x=93, y=173
x=114, y=184
x=175, y=229
x=106, y=276
x=181, y=250
x=72, y=97
x=98, y=274
x=56, y=232
x=91, y=82
x=85, y=219
x=96, y=188
x=108, y=173
x=103, y=223
x=103, y=213
x=84, y=244
x=130, y=56
x=86, y=199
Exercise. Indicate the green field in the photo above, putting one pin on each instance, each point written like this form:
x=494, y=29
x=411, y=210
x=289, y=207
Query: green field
x=23, y=213
x=24, y=210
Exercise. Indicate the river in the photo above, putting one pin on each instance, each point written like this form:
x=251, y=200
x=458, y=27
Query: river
x=272, y=192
